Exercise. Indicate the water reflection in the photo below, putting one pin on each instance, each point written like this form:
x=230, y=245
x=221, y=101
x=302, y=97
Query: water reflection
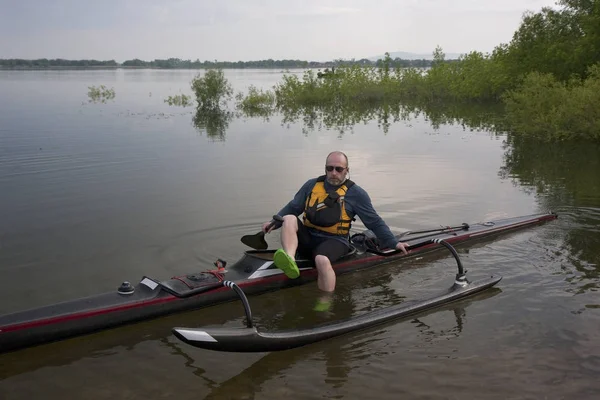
x=563, y=173
x=214, y=122
x=564, y=176
x=455, y=331
x=340, y=356
x=111, y=343
x=343, y=117
x=252, y=380
x=189, y=361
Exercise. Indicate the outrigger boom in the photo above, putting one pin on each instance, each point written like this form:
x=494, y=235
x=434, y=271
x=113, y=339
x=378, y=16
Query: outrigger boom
x=250, y=339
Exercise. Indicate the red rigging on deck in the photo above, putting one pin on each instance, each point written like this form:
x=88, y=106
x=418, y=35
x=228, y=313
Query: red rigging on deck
x=254, y=273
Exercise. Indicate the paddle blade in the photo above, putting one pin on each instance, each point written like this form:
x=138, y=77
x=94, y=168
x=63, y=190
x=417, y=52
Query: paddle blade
x=256, y=241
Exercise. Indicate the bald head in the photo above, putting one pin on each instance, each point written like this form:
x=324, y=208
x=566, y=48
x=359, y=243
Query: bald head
x=336, y=155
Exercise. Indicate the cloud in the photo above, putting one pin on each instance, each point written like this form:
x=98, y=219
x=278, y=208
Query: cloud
x=336, y=10
x=253, y=29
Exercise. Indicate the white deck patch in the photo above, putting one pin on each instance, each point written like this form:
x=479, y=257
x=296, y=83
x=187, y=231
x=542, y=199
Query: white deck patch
x=265, y=270
x=149, y=282
x=196, y=335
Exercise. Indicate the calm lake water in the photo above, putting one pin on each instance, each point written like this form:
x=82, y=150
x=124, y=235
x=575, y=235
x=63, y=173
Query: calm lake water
x=92, y=194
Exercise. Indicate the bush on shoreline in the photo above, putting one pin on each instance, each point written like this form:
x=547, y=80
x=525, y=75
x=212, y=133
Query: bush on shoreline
x=547, y=76
x=549, y=109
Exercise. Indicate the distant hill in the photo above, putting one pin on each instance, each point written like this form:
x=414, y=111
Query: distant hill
x=414, y=56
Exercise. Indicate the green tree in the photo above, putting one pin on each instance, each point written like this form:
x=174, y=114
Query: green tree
x=562, y=42
x=212, y=90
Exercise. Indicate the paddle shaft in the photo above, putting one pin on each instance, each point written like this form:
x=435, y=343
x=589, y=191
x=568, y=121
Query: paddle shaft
x=464, y=226
x=439, y=232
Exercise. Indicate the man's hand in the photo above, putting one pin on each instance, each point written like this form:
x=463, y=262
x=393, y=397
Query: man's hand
x=402, y=246
x=267, y=227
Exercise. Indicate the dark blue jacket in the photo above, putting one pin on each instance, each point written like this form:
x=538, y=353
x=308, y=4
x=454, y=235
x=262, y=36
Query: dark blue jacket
x=358, y=203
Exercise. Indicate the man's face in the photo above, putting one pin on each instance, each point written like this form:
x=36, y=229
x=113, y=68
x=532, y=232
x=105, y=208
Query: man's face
x=339, y=169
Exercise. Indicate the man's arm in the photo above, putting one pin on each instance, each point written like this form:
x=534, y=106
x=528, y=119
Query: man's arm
x=366, y=212
x=296, y=205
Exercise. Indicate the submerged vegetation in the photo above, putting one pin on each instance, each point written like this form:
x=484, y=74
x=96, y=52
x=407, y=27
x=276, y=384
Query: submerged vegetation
x=212, y=90
x=180, y=100
x=257, y=102
x=100, y=94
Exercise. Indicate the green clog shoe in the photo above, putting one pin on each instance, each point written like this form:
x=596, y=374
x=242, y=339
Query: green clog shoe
x=285, y=263
x=322, y=306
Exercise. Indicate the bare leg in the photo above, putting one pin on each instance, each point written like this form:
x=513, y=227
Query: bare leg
x=289, y=235
x=325, y=282
x=326, y=278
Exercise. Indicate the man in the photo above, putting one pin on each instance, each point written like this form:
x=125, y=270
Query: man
x=329, y=204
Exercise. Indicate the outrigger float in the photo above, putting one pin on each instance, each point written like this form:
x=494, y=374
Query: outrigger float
x=250, y=339
x=253, y=273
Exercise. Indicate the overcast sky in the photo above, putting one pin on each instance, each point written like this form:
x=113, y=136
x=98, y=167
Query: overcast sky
x=232, y=30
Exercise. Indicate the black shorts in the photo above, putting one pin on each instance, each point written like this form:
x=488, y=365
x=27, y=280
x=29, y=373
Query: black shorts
x=310, y=246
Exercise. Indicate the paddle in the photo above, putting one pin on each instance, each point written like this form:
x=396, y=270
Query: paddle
x=436, y=232
x=464, y=226
x=257, y=241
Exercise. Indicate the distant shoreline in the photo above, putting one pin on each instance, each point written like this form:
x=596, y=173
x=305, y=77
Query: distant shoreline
x=176, y=63
x=38, y=68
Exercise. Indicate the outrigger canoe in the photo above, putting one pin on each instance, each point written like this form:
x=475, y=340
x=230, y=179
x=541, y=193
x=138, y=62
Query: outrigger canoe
x=254, y=273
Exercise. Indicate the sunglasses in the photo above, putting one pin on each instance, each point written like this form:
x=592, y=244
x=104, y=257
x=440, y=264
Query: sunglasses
x=330, y=168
